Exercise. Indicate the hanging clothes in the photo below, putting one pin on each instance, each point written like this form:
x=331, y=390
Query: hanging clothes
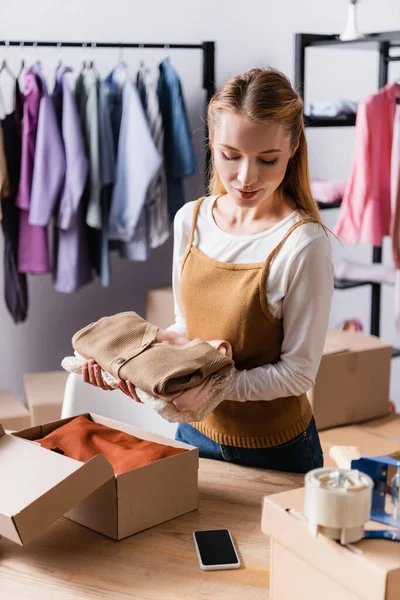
x=72, y=264
x=4, y=179
x=180, y=161
x=113, y=84
x=86, y=96
x=365, y=213
x=33, y=248
x=87, y=90
x=137, y=248
x=15, y=283
x=395, y=209
x=108, y=159
x=49, y=165
x=157, y=201
x=137, y=164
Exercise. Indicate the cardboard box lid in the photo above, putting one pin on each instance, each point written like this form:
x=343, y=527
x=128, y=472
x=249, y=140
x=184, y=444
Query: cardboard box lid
x=41, y=485
x=355, y=341
x=374, y=574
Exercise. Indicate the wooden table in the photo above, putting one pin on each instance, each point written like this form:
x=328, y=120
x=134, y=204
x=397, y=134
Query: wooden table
x=69, y=561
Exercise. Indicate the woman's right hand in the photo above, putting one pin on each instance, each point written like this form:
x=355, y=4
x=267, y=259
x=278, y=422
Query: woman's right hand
x=91, y=373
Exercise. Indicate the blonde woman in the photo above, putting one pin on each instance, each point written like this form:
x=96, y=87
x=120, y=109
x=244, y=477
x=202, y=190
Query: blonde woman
x=252, y=265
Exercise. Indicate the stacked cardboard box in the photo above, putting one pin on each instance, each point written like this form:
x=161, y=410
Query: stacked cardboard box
x=44, y=395
x=160, y=307
x=352, y=383
x=13, y=414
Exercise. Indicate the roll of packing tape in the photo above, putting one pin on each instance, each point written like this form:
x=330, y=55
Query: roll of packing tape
x=338, y=503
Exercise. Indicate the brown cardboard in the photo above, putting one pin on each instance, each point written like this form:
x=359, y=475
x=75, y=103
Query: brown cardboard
x=138, y=499
x=38, y=486
x=319, y=568
x=13, y=414
x=379, y=437
x=44, y=395
x=160, y=307
x=352, y=384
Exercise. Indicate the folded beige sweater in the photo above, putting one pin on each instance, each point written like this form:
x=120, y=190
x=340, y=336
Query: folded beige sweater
x=125, y=347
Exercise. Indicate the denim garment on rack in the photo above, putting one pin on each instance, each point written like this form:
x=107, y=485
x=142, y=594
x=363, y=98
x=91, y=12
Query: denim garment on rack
x=179, y=156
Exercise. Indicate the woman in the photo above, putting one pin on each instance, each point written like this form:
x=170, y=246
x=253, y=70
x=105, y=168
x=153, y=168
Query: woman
x=252, y=265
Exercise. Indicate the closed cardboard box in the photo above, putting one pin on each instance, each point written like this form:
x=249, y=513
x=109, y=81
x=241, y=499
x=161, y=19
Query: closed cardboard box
x=13, y=414
x=304, y=567
x=160, y=307
x=352, y=384
x=379, y=437
x=39, y=485
x=44, y=395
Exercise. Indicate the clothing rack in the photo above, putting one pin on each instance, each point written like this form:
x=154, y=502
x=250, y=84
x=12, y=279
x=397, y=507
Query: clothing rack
x=207, y=48
x=382, y=42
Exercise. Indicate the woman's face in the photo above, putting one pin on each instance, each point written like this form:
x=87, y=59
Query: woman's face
x=251, y=157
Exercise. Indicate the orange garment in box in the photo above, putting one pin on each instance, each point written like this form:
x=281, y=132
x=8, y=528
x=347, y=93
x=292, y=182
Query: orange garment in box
x=82, y=439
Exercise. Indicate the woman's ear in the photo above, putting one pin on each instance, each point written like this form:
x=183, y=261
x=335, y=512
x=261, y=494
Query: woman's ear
x=294, y=149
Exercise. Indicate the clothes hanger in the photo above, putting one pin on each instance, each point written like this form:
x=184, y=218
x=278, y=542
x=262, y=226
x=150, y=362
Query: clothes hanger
x=36, y=61
x=60, y=58
x=91, y=65
x=4, y=66
x=23, y=63
x=84, y=57
x=141, y=61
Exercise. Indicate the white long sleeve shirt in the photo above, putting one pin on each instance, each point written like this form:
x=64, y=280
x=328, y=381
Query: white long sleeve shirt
x=299, y=290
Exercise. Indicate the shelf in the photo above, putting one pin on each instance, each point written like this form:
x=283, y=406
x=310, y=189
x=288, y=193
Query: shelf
x=328, y=205
x=345, y=121
x=371, y=41
x=347, y=284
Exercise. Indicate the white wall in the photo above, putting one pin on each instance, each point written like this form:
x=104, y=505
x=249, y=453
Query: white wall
x=247, y=34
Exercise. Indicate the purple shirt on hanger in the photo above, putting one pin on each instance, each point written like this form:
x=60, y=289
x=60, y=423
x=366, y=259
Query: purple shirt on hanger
x=72, y=267
x=33, y=249
x=49, y=165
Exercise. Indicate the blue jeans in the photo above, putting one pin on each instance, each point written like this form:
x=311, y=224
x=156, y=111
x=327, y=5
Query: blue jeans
x=299, y=455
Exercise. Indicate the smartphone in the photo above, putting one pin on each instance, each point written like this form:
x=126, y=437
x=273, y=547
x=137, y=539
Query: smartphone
x=215, y=550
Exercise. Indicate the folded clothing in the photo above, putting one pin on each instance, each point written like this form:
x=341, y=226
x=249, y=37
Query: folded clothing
x=331, y=108
x=83, y=439
x=187, y=404
x=375, y=272
x=125, y=345
x=328, y=190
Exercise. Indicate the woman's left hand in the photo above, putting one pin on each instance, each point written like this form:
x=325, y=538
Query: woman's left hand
x=129, y=389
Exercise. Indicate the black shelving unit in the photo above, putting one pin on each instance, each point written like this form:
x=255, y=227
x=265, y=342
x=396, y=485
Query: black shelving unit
x=381, y=42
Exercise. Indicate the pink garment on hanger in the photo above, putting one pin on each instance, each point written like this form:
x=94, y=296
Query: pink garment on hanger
x=365, y=212
x=395, y=210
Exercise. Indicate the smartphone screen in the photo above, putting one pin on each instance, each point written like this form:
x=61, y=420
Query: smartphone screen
x=215, y=547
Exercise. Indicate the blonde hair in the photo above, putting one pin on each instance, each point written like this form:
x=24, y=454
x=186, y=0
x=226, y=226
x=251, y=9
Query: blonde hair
x=267, y=95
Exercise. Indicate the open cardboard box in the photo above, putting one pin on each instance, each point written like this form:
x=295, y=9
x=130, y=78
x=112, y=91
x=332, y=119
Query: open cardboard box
x=39, y=485
x=160, y=307
x=352, y=384
x=304, y=567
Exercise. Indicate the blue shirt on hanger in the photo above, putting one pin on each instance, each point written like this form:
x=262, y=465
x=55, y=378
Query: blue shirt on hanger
x=179, y=156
